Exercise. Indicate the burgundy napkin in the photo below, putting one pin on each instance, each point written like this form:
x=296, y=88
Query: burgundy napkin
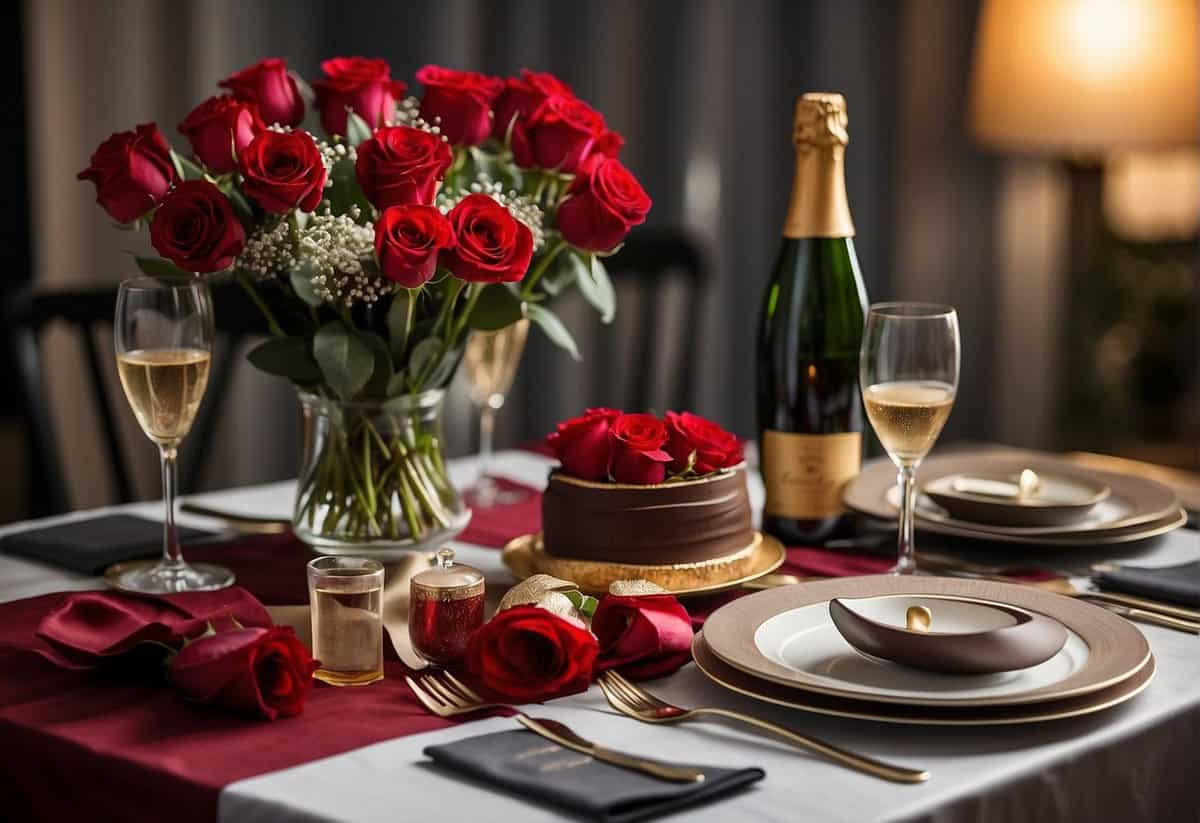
x=90, y=627
x=495, y=526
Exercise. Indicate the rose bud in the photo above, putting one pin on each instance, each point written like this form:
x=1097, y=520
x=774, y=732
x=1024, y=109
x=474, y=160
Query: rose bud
x=605, y=202
x=132, y=171
x=401, y=165
x=459, y=102
x=637, y=449
x=407, y=241
x=283, y=171
x=358, y=83
x=521, y=97
x=560, y=133
x=609, y=143
x=218, y=129
x=265, y=671
x=582, y=445
x=527, y=654
x=689, y=434
x=642, y=637
x=269, y=86
x=195, y=228
x=491, y=246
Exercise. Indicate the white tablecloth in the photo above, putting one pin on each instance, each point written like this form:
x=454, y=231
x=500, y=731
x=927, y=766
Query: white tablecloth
x=1140, y=761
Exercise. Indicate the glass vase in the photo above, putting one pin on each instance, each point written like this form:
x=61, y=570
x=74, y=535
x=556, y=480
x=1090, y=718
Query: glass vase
x=373, y=476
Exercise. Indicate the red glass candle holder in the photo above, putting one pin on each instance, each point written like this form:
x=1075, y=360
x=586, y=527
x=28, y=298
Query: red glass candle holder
x=445, y=606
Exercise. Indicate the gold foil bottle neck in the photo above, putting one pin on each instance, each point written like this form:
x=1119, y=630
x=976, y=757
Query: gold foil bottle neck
x=818, y=206
x=820, y=120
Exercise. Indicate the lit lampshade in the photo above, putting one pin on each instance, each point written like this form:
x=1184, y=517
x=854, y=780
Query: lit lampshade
x=1084, y=77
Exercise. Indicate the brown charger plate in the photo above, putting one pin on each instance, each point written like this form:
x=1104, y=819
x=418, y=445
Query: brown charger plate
x=525, y=556
x=730, y=678
x=1155, y=508
x=1116, y=648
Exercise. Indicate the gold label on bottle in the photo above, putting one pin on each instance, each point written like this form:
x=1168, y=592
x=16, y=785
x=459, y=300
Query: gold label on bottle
x=806, y=473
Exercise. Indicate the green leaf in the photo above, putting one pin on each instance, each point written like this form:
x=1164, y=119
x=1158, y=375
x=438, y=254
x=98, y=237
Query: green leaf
x=497, y=307
x=399, y=320
x=157, y=267
x=345, y=191
x=286, y=357
x=422, y=360
x=564, y=270
x=553, y=327
x=381, y=375
x=398, y=384
x=357, y=129
x=185, y=168
x=444, y=370
x=346, y=361
x=301, y=280
x=596, y=287
x=583, y=603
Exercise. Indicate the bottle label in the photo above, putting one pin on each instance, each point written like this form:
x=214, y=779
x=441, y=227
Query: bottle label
x=806, y=473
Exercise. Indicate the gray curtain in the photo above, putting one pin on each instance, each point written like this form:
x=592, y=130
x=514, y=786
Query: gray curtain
x=703, y=91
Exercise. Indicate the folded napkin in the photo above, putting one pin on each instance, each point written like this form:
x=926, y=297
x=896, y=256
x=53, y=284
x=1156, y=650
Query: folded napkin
x=531, y=767
x=92, y=545
x=87, y=628
x=1175, y=584
x=495, y=526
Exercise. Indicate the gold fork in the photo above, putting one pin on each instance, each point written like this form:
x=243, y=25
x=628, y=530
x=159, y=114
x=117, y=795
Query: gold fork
x=639, y=704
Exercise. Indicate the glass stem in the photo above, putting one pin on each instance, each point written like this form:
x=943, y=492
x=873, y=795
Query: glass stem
x=906, y=562
x=487, y=427
x=172, y=555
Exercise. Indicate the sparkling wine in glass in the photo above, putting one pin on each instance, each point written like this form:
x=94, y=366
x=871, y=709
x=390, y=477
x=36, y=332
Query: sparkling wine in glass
x=490, y=363
x=909, y=375
x=163, y=332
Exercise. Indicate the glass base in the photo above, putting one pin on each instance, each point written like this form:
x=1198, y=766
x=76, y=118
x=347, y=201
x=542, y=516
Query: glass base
x=336, y=678
x=164, y=579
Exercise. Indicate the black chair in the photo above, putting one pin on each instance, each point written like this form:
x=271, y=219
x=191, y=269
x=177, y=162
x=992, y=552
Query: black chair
x=27, y=314
x=645, y=268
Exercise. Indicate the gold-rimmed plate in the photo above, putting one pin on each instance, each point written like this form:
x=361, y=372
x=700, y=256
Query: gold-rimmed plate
x=526, y=556
x=738, y=681
x=786, y=636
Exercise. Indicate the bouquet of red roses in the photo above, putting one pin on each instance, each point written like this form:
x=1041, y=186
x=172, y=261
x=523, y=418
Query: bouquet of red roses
x=374, y=248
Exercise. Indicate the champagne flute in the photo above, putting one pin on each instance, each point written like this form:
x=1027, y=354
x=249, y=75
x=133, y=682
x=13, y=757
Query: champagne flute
x=163, y=334
x=908, y=369
x=490, y=363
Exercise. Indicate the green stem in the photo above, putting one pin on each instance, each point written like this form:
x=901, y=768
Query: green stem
x=473, y=293
x=248, y=286
x=542, y=266
x=453, y=289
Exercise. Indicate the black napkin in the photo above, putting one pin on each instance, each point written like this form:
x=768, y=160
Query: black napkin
x=533, y=767
x=90, y=546
x=1177, y=584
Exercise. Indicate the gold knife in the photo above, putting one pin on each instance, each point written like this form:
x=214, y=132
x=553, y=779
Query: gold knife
x=556, y=732
x=245, y=523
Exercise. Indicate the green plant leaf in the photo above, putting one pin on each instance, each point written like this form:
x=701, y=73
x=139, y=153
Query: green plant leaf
x=345, y=191
x=381, y=375
x=553, y=327
x=286, y=357
x=444, y=370
x=596, y=286
x=497, y=307
x=346, y=361
x=357, y=129
x=301, y=280
x=422, y=360
x=584, y=604
x=398, y=384
x=564, y=270
x=157, y=267
x=399, y=320
x=185, y=168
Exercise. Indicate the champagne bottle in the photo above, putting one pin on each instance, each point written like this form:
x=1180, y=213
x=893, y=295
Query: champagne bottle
x=810, y=418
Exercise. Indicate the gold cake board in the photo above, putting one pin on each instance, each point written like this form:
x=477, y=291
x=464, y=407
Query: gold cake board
x=526, y=556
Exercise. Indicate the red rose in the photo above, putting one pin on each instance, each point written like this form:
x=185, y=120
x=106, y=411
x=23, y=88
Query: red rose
x=646, y=636
x=491, y=246
x=605, y=202
x=460, y=102
x=401, y=165
x=521, y=97
x=637, y=449
x=218, y=129
x=714, y=447
x=527, y=654
x=560, y=134
x=268, y=85
x=283, y=171
x=407, y=242
x=581, y=444
x=362, y=84
x=609, y=143
x=195, y=228
x=266, y=671
x=132, y=171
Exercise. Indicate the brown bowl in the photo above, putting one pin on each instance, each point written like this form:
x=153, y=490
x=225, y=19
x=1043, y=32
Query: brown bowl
x=983, y=637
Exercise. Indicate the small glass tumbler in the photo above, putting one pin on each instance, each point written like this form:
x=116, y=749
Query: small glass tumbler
x=346, y=598
x=445, y=606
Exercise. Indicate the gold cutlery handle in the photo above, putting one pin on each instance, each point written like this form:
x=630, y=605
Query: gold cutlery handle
x=240, y=522
x=1143, y=603
x=676, y=774
x=1163, y=620
x=860, y=762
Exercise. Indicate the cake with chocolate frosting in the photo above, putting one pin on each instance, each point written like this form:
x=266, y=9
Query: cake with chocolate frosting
x=686, y=521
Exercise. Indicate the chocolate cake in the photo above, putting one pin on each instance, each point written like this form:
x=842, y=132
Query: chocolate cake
x=692, y=521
